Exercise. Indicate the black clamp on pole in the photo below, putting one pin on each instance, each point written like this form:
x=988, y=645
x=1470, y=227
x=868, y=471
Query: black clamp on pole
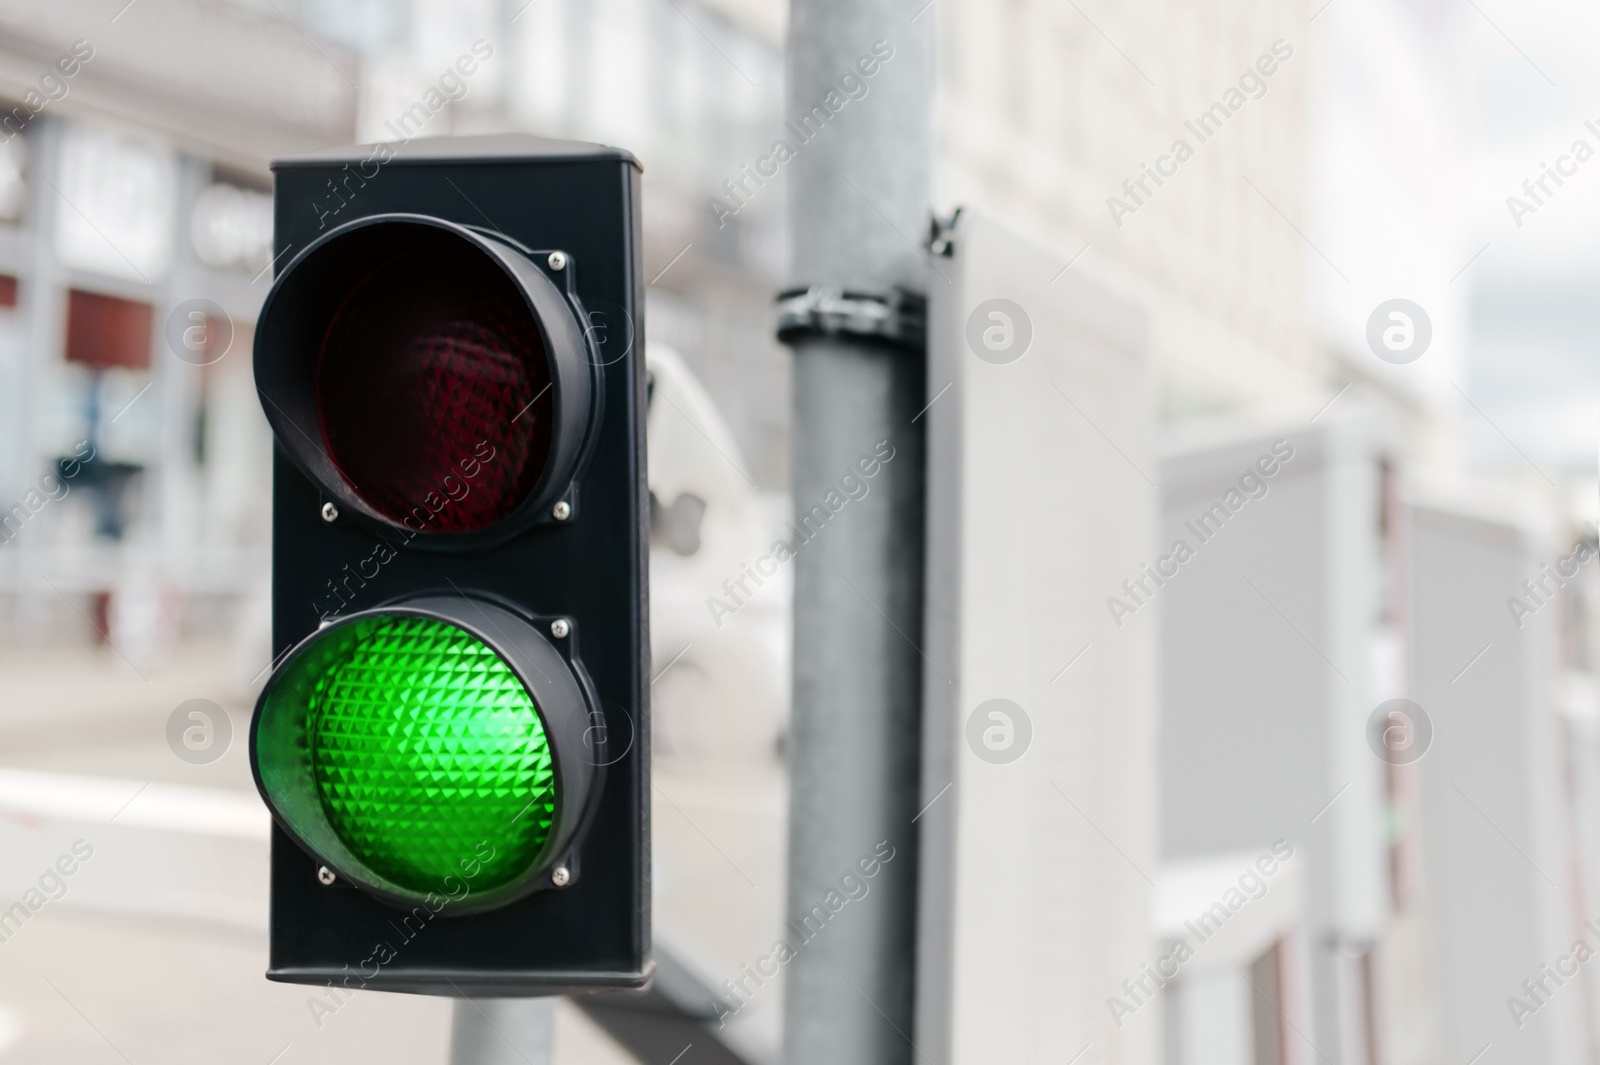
x=897, y=319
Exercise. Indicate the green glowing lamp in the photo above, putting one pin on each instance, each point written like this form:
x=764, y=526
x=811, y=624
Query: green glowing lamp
x=435, y=749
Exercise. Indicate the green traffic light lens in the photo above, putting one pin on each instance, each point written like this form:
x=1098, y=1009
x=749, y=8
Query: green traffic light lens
x=428, y=753
x=408, y=753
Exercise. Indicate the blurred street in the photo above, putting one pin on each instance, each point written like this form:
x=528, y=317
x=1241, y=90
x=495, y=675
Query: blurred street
x=85, y=712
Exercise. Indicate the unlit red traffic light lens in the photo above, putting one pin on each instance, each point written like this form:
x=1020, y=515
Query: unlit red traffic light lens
x=430, y=758
x=434, y=389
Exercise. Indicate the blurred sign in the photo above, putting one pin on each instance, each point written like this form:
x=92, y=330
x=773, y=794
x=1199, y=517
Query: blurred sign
x=104, y=332
x=119, y=204
x=231, y=229
x=1495, y=836
x=1032, y=369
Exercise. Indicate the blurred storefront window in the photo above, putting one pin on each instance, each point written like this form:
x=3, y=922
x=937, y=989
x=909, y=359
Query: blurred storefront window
x=120, y=194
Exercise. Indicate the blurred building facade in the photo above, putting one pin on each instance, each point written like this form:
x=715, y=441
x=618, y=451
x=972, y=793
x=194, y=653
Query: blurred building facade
x=139, y=184
x=1067, y=122
x=135, y=252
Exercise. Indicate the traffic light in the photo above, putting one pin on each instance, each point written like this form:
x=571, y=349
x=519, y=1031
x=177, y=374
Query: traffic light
x=454, y=737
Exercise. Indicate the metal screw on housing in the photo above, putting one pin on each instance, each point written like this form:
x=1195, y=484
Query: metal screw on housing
x=561, y=511
x=558, y=260
x=325, y=875
x=330, y=512
x=559, y=628
x=560, y=877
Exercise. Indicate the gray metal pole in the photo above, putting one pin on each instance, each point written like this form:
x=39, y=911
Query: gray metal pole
x=502, y=1031
x=859, y=203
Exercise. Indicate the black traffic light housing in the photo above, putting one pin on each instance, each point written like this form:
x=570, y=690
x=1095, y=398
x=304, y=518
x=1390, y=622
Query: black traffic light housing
x=525, y=253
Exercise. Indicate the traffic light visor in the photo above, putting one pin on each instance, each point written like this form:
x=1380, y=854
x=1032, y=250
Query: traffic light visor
x=427, y=376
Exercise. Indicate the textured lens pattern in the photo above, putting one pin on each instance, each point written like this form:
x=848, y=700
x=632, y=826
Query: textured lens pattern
x=430, y=758
x=433, y=389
